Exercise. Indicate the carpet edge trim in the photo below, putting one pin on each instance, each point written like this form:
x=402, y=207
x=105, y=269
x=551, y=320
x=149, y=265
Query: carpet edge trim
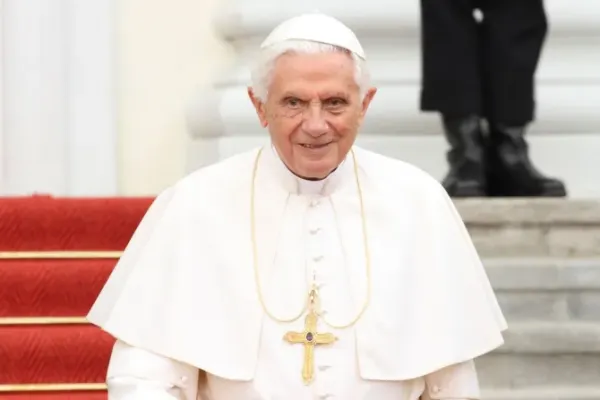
x=53, y=387
x=60, y=254
x=9, y=321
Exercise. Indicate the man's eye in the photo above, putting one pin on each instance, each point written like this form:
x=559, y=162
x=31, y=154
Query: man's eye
x=293, y=102
x=335, y=103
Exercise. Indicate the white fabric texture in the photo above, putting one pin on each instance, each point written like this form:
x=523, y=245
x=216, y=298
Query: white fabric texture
x=137, y=374
x=184, y=290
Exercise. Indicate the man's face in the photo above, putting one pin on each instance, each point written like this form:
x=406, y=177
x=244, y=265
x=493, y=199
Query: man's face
x=313, y=111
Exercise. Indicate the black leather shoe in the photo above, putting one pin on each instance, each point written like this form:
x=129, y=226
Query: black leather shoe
x=510, y=172
x=466, y=177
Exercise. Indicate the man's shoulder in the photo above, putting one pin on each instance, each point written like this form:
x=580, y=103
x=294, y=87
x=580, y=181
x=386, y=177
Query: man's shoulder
x=210, y=183
x=224, y=174
x=394, y=173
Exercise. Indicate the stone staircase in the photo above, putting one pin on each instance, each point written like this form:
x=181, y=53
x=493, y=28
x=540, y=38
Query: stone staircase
x=543, y=258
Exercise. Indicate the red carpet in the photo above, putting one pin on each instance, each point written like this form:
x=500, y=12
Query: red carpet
x=47, y=350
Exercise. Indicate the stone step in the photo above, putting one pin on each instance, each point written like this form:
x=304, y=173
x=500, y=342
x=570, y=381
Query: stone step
x=544, y=393
x=523, y=227
x=559, y=289
x=539, y=354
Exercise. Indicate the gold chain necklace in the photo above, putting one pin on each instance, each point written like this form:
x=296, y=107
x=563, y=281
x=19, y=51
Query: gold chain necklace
x=311, y=297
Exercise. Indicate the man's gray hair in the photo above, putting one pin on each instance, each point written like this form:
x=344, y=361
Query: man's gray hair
x=262, y=70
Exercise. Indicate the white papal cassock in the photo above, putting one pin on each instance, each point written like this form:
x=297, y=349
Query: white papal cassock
x=184, y=306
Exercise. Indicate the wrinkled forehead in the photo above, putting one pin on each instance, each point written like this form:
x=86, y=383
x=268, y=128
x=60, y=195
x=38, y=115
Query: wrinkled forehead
x=314, y=72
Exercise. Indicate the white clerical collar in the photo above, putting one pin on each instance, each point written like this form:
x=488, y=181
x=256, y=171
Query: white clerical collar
x=297, y=185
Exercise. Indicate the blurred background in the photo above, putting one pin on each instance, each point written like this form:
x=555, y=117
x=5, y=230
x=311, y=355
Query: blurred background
x=124, y=97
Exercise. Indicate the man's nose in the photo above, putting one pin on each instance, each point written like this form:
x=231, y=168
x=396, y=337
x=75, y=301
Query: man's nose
x=314, y=122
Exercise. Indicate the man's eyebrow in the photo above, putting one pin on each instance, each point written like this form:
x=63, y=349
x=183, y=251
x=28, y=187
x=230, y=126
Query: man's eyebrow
x=337, y=94
x=325, y=95
x=289, y=94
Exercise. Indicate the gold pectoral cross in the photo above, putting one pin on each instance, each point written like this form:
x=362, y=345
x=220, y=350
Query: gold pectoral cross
x=309, y=338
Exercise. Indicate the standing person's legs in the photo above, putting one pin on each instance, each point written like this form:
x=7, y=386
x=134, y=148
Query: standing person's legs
x=451, y=81
x=451, y=85
x=513, y=34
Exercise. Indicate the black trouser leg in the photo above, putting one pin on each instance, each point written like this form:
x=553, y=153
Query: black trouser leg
x=451, y=85
x=450, y=58
x=512, y=36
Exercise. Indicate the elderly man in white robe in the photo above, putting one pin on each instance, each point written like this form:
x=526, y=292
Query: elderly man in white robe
x=306, y=269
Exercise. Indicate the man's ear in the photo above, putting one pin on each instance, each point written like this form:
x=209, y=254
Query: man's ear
x=367, y=100
x=259, y=106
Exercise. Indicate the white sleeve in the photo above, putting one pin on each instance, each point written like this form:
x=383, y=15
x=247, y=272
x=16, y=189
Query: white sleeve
x=136, y=374
x=455, y=382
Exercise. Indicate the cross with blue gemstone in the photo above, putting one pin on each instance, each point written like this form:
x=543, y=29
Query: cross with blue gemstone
x=309, y=338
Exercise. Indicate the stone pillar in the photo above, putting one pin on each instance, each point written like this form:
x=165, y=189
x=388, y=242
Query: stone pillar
x=565, y=139
x=59, y=134
x=91, y=98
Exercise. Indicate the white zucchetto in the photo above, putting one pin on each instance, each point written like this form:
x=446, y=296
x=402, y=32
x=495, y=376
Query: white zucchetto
x=315, y=27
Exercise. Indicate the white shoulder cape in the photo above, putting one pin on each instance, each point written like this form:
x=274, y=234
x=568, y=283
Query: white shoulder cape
x=185, y=289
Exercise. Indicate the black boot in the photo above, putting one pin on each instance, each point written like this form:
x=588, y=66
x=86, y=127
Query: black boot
x=509, y=169
x=466, y=177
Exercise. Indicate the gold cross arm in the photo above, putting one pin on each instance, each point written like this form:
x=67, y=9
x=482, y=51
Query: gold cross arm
x=309, y=338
